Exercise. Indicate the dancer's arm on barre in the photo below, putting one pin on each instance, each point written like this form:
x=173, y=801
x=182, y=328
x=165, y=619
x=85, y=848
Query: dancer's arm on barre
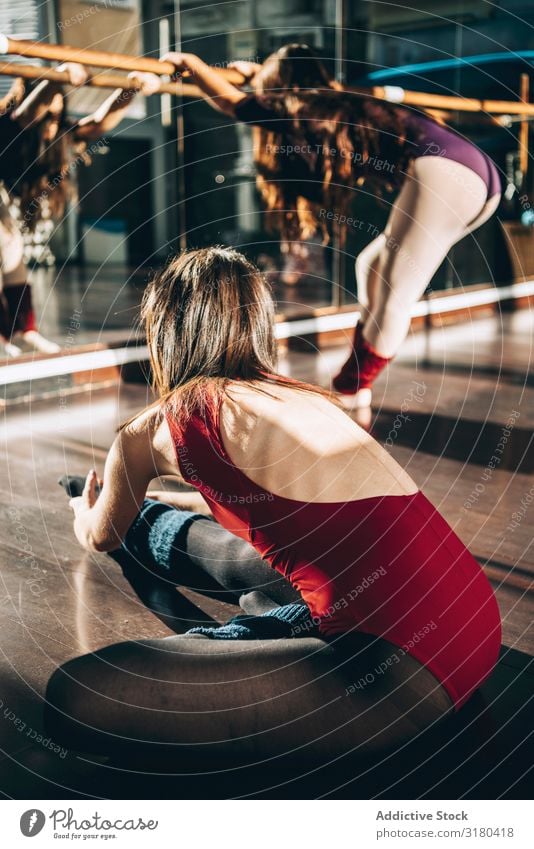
x=43, y=96
x=220, y=93
x=106, y=117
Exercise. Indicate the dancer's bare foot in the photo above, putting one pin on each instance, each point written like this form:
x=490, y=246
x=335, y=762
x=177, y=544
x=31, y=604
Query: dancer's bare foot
x=39, y=343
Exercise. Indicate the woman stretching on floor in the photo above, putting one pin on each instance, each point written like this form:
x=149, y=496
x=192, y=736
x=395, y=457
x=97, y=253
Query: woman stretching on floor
x=39, y=151
x=315, y=145
x=374, y=585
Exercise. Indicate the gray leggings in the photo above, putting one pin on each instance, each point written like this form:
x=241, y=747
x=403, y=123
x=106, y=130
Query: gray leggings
x=232, y=700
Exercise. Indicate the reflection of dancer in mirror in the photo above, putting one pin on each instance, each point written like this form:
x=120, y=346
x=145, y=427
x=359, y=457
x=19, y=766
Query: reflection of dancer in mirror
x=39, y=149
x=371, y=619
x=316, y=145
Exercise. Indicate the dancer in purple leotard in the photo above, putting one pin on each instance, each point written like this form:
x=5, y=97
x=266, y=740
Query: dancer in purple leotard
x=315, y=145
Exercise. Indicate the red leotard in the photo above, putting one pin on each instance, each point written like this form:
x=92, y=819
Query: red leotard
x=389, y=566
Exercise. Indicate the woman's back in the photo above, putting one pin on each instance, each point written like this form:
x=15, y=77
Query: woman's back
x=329, y=510
x=301, y=446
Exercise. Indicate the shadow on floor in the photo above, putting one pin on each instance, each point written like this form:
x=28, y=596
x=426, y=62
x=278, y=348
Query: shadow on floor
x=485, y=752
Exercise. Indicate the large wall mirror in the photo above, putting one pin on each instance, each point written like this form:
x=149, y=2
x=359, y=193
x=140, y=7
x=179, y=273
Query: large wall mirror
x=175, y=173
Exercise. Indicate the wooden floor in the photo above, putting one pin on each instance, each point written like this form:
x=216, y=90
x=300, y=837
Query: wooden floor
x=467, y=397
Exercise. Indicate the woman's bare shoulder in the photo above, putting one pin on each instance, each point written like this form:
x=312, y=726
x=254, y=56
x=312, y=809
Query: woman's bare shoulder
x=146, y=438
x=146, y=423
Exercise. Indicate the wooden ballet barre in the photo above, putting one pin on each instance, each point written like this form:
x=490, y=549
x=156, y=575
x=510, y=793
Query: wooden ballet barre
x=38, y=72
x=455, y=104
x=95, y=58
x=393, y=94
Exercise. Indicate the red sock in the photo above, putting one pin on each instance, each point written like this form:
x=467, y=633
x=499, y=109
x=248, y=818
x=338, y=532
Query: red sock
x=30, y=322
x=362, y=367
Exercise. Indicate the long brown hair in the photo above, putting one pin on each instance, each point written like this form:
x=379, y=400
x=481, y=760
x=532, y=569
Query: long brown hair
x=44, y=178
x=209, y=319
x=342, y=133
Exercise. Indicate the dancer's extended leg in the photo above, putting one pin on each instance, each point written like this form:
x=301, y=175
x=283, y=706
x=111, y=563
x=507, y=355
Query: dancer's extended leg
x=440, y=203
x=194, y=551
x=367, y=277
x=182, y=548
x=433, y=212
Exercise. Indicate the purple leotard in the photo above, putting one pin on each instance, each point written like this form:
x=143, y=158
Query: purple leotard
x=424, y=135
x=434, y=139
